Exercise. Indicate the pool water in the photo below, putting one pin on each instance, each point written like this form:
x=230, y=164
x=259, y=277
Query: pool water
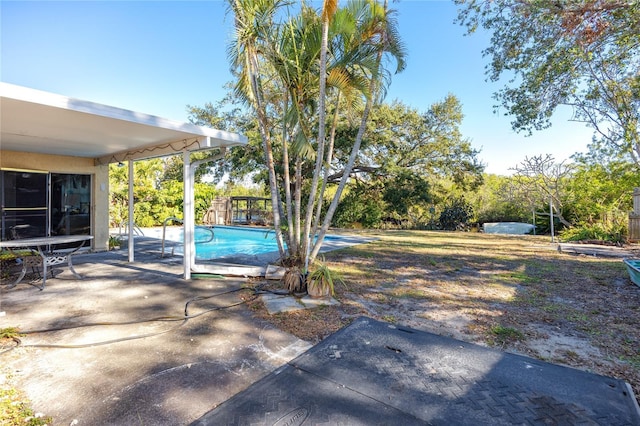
x=230, y=241
x=227, y=241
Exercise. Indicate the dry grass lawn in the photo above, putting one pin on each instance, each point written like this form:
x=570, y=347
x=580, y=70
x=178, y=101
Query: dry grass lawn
x=516, y=293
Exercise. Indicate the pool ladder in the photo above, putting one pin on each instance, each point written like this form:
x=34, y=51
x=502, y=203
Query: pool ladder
x=175, y=219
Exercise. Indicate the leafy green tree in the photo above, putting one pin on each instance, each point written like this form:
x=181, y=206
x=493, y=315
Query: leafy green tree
x=174, y=167
x=429, y=144
x=498, y=200
x=404, y=190
x=602, y=188
x=584, y=54
x=118, y=196
x=414, y=159
x=254, y=27
x=240, y=161
x=361, y=206
x=151, y=203
x=403, y=148
x=156, y=197
x=381, y=203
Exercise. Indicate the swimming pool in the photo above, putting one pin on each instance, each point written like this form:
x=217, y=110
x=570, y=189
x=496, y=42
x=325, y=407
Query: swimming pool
x=229, y=241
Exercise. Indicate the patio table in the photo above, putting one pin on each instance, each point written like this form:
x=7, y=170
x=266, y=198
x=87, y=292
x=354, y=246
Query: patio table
x=49, y=255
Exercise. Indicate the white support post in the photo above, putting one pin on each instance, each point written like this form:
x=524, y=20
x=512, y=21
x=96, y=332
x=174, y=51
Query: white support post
x=188, y=216
x=553, y=240
x=131, y=219
x=189, y=173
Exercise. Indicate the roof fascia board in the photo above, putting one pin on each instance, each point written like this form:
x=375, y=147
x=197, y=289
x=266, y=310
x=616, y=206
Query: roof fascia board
x=26, y=94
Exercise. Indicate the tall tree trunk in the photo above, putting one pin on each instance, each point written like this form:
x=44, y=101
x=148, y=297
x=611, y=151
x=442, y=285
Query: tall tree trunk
x=248, y=61
x=291, y=242
x=327, y=166
x=328, y=10
x=297, y=204
x=343, y=181
x=268, y=152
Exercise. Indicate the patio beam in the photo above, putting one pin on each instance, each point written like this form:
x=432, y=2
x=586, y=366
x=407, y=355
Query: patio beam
x=192, y=144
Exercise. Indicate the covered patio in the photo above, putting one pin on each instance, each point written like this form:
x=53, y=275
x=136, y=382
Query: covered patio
x=45, y=133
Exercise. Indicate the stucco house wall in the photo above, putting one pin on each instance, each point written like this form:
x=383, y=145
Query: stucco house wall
x=72, y=165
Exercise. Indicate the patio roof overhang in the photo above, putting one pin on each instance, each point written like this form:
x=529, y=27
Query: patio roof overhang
x=47, y=123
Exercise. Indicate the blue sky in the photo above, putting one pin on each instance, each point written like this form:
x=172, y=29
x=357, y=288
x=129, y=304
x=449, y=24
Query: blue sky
x=157, y=57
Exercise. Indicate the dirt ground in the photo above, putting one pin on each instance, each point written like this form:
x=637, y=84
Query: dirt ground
x=519, y=294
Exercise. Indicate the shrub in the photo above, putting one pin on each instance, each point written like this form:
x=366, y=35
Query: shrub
x=606, y=232
x=456, y=216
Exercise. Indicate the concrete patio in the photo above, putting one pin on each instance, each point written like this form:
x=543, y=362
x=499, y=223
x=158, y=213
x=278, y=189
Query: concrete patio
x=123, y=371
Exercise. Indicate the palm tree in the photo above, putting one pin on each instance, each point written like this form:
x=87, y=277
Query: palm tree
x=292, y=56
x=253, y=20
x=377, y=34
x=306, y=61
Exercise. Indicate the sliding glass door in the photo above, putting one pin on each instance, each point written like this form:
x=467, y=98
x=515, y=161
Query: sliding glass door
x=38, y=204
x=70, y=204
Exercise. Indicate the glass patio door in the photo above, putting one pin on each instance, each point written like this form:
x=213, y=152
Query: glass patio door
x=24, y=206
x=70, y=204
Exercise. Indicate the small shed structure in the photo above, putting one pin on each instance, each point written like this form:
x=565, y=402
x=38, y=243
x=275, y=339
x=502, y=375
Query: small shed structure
x=239, y=210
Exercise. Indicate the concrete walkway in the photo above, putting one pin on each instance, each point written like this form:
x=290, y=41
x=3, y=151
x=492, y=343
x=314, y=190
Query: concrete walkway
x=122, y=369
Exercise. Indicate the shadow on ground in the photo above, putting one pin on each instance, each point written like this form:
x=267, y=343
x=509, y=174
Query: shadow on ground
x=115, y=348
